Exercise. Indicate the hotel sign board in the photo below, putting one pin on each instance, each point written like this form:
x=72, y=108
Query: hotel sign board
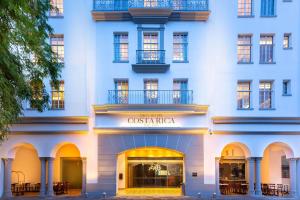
x=151, y=120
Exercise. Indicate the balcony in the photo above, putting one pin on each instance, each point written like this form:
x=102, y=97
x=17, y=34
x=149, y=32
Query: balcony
x=151, y=11
x=153, y=101
x=150, y=97
x=150, y=61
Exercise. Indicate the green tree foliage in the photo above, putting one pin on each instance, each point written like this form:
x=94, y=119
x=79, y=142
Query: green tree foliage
x=26, y=58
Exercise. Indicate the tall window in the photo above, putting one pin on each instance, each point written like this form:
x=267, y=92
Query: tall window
x=244, y=49
x=57, y=8
x=244, y=95
x=58, y=96
x=266, y=49
x=151, y=3
x=121, y=47
x=121, y=91
x=268, y=8
x=151, y=91
x=286, y=88
x=180, y=47
x=57, y=45
x=180, y=91
x=287, y=41
x=37, y=89
x=150, y=46
x=244, y=8
x=266, y=99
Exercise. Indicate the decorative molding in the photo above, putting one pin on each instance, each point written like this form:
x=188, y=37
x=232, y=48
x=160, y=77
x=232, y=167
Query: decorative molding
x=54, y=120
x=256, y=132
x=151, y=108
x=256, y=120
x=138, y=130
x=75, y=132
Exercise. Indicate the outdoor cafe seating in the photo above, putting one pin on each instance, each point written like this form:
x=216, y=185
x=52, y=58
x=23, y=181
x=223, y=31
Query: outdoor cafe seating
x=274, y=189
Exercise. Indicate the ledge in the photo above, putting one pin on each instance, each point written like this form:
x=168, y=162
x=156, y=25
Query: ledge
x=256, y=120
x=135, y=130
x=150, y=68
x=73, y=132
x=53, y=120
x=142, y=108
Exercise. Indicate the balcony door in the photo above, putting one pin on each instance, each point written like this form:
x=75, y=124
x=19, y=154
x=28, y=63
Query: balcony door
x=150, y=47
x=121, y=92
x=180, y=92
x=151, y=91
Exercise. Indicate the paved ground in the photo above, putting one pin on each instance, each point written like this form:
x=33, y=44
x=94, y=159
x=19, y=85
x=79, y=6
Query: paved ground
x=149, y=198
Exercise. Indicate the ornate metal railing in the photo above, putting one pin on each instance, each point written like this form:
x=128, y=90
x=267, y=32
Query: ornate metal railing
x=150, y=56
x=150, y=97
x=176, y=5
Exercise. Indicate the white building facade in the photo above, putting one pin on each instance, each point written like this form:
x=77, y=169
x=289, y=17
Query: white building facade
x=184, y=96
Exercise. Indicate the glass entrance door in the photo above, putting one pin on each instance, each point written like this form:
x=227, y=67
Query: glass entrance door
x=155, y=174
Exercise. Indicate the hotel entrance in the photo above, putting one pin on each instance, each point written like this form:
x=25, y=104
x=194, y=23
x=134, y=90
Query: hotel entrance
x=150, y=171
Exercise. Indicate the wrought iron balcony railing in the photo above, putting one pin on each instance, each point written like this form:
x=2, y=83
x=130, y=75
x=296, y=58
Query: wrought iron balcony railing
x=150, y=56
x=150, y=97
x=176, y=5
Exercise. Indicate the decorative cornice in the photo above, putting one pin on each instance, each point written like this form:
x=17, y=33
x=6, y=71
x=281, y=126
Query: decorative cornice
x=151, y=108
x=138, y=130
x=53, y=120
x=48, y=132
x=256, y=120
x=220, y=132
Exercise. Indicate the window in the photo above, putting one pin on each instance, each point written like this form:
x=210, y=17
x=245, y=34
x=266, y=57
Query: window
x=151, y=91
x=266, y=49
x=151, y=3
x=244, y=8
x=287, y=41
x=244, y=49
x=150, y=47
x=37, y=88
x=57, y=8
x=285, y=167
x=244, y=95
x=286, y=88
x=180, y=45
x=57, y=45
x=268, y=8
x=180, y=91
x=266, y=99
x=121, y=91
x=121, y=47
x=58, y=96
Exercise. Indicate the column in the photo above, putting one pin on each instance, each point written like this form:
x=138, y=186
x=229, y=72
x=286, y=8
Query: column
x=251, y=175
x=7, y=177
x=217, y=168
x=83, y=188
x=292, y=162
x=43, y=176
x=50, y=177
x=298, y=176
x=258, y=177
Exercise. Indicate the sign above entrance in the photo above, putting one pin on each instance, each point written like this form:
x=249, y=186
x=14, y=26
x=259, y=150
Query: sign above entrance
x=151, y=120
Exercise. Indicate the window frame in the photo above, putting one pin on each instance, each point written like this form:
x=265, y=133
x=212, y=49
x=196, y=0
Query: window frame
x=263, y=61
x=52, y=13
x=249, y=91
x=244, y=6
x=289, y=87
x=289, y=41
x=58, y=91
x=262, y=14
x=119, y=60
x=245, y=45
x=56, y=46
x=185, y=45
x=272, y=96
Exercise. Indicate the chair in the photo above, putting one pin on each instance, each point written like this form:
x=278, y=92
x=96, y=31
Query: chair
x=279, y=190
x=264, y=189
x=272, y=189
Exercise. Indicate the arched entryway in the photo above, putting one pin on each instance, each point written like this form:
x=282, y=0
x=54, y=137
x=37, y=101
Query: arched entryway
x=233, y=176
x=277, y=165
x=150, y=171
x=68, y=174
x=25, y=170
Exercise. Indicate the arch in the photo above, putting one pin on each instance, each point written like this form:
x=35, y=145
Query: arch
x=153, y=148
x=12, y=152
x=63, y=144
x=243, y=147
x=288, y=151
